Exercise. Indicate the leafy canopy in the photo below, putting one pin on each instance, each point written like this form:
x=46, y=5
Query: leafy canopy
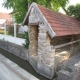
x=74, y=10
x=20, y=7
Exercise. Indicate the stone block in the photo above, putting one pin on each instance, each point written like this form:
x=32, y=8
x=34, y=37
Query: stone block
x=49, y=48
x=76, y=74
x=53, y=51
x=15, y=49
x=45, y=70
x=64, y=75
x=42, y=36
x=49, y=61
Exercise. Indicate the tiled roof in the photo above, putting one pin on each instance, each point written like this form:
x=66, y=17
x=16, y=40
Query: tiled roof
x=5, y=16
x=61, y=24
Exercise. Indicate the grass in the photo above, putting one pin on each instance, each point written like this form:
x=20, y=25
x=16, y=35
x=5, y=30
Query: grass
x=1, y=31
x=21, y=36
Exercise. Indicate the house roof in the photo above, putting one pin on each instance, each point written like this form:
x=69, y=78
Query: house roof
x=5, y=16
x=61, y=24
x=2, y=21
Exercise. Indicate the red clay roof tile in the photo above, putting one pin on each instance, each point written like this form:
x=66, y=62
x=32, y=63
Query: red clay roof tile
x=61, y=24
x=5, y=16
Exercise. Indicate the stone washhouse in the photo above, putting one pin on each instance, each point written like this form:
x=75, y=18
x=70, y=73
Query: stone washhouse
x=53, y=38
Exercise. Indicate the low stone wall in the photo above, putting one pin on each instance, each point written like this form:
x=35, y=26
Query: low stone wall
x=15, y=49
x=76, y=73
x=66, y=75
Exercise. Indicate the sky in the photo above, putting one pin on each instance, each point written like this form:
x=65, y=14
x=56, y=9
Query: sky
x=2, y=9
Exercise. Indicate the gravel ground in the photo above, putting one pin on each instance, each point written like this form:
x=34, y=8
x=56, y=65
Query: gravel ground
x=70, y=62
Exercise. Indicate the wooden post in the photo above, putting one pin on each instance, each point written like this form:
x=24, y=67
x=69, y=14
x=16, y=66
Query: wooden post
x=14, y=29
x=72, y=46
x=78, y=38
x=5, y=28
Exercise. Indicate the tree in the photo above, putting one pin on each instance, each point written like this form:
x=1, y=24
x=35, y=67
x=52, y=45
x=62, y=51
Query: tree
x=74, y=10
x=60, y=3
x=20, y=7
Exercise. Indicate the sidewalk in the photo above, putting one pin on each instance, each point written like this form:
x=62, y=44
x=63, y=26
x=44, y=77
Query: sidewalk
x=11, y=71
x=7, y=74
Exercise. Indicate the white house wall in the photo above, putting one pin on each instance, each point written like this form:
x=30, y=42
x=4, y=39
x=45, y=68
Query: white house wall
x=23, y=29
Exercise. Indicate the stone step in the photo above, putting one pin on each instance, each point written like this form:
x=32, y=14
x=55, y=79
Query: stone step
x=24, y=75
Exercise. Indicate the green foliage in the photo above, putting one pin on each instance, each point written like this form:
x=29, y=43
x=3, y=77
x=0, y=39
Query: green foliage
x=74, y=10
x=26, y=45
x=20, y=7
x=59, y=3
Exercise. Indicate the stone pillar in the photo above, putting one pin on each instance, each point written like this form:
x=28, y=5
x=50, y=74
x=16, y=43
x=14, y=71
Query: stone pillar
x=46, y=54
x=76, y=74
x=14, y=29
x=5, y=28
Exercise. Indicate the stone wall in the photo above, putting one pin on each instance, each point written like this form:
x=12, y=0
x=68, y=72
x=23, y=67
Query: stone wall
x=76, y=73
x=66, y=75
x=46, y=54
x=33, y=38
x=17, y=50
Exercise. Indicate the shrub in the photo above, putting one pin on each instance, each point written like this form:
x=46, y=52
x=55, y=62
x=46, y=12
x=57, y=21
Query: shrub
x=26, y=45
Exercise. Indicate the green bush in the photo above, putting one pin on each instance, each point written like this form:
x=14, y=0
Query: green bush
x=26, y=45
